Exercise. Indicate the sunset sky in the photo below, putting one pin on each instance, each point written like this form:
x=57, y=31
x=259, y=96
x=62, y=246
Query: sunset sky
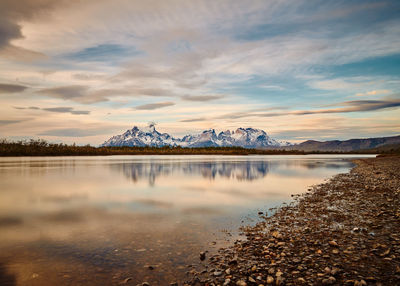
x=82, y=71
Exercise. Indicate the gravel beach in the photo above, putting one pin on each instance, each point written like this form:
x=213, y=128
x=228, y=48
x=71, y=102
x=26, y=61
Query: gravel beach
x=342, y=232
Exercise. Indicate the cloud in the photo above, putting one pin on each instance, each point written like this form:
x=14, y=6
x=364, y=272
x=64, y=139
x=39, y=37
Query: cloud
x=347, y=107
x=83, y=94
x=66, y=110
x=374, y=92
x=103, y=53
x=193, y=119
x=338, y=131
x=65, y=92
x=56, y=109
x=30, y=107
x=6, y=122
x=202, y=98
x=74, y=132
x=152, y=106
x=11, y=88
x=12, y=13
x=273, y=87
x=88, y=76
x=338, y=84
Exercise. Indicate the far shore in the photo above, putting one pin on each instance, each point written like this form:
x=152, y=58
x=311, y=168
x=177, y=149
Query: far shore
x=42, y=148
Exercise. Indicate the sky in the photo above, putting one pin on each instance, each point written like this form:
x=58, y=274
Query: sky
x=82, y=71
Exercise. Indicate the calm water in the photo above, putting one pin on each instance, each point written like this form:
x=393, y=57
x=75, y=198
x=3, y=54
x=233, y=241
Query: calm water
x=101, y=220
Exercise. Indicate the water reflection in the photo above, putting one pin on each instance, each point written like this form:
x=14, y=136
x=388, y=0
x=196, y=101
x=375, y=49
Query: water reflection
x=211, y=170
x=99, y=220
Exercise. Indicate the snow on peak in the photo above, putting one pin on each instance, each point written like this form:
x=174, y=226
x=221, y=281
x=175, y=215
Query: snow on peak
x=149, y=136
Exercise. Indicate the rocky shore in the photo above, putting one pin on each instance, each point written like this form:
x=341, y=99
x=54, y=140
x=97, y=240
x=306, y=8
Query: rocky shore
x=343, y=232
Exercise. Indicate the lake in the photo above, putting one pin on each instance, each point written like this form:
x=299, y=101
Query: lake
x=129, y=219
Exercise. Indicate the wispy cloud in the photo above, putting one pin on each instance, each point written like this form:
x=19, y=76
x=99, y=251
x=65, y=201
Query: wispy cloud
x=374, y=92
x=347, y=107
x=103, y=53
x=11, y=88
x=152, y=106
x=193, y=119
x=86, y=95
x=56, y=109
x=6, y=122
x=66, y=110
x=202, y=98
x=65, y=92
x=73, y=132
x=11, y=15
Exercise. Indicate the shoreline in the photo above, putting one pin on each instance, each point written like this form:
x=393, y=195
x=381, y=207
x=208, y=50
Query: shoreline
x=345, y=231
x=42, y=148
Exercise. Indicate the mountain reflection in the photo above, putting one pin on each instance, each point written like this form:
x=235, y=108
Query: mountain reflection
x=241, y=171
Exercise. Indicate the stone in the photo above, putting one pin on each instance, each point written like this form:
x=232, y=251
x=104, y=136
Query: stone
x=270, y=279
x=301, y=280
x=279, y=280
x=241, y=283
x=333, y=243
x=202, y=255
x=233, y=262
x=276, y=234
x=335, y=270
x=126, y=280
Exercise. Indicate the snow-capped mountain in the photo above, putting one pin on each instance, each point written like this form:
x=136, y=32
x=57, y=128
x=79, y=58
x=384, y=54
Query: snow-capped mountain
x=149, y=136
x=146, y=137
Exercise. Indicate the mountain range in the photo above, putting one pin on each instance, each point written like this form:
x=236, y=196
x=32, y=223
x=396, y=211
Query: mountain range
x=347, y=145
x=149, y=136
x=242, y=137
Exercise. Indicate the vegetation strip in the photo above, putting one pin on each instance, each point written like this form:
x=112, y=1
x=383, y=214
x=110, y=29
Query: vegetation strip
x=43, y=148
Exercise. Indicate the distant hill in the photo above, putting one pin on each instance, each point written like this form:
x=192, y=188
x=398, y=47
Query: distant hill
x=347, y=145
x=386, y=149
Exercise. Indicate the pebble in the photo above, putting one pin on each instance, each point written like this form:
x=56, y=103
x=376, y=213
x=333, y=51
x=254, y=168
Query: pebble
x=241, y=283
x=301, y=280
x=270, y=279
x=333, y=243
x=126, y=280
